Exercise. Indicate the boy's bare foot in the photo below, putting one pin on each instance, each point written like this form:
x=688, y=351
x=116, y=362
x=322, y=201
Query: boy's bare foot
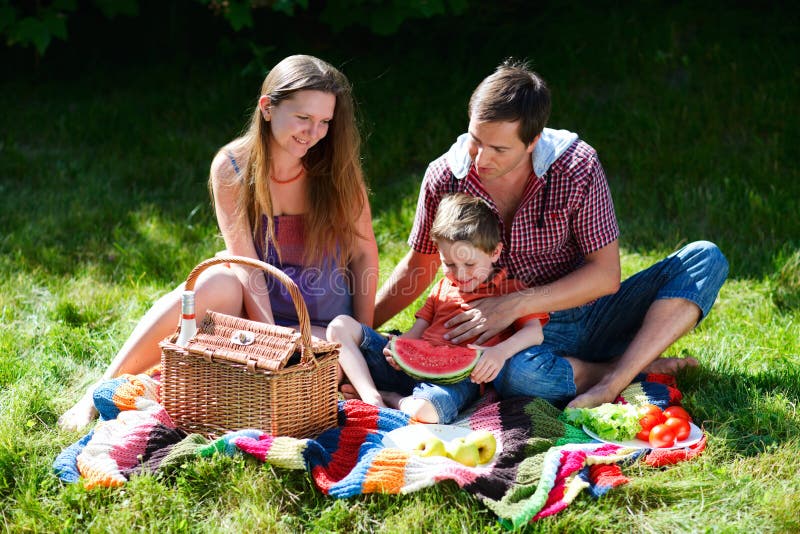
x=670, y=366
x=81, y=414
x=392, y=399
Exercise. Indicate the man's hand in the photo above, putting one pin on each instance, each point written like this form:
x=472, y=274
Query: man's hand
x=483, y=318
x=488, y=366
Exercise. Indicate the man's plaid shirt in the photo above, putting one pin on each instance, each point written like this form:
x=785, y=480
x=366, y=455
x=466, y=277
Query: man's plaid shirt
x=578, y=215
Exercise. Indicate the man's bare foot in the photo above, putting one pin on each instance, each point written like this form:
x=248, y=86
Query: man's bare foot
x=80, y=415
x=594, y=396
x=599, y=393
x=670, y=366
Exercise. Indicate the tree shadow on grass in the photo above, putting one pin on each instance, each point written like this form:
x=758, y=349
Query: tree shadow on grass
x=64, y=231
x=89, y=193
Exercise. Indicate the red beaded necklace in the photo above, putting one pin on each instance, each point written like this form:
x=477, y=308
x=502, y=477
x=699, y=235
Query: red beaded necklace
x=290, y=180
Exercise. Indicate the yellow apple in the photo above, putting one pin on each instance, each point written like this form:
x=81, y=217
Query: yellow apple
x=485, y=442
x=430, y=446
x=462, y=452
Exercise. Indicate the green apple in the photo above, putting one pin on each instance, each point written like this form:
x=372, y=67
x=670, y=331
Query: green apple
x=462, y=452
x=486, y=443
x=430, y=446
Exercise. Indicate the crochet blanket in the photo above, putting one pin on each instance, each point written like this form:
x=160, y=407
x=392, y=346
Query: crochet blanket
x=543, y=465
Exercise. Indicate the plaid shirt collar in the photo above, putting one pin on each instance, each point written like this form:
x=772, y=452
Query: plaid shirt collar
x=472, y=184
x=549, y=147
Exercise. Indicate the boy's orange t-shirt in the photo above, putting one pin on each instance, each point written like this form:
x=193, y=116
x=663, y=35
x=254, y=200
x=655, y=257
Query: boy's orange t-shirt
x=445, y=300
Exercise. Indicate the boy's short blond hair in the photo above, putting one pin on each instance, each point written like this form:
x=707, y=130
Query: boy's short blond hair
x=462, y=217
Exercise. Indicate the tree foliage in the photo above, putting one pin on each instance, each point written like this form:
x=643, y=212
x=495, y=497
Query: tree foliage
x=36, y=24
x=385, y=17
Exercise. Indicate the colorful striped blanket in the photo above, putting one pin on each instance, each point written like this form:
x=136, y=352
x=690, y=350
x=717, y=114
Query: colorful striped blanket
x=543, y=463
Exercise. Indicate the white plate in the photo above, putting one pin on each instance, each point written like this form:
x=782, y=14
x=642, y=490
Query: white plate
x=694, y=436
x=408, y=437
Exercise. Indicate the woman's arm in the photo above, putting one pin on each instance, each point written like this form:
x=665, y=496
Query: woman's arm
x=226, y=187
x=364, y=268
x=411, y=276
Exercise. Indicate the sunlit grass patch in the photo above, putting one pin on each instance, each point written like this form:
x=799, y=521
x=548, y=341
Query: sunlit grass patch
x=104, y=207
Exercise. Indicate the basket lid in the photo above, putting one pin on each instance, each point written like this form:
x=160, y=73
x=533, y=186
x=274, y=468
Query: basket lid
x=257, y=345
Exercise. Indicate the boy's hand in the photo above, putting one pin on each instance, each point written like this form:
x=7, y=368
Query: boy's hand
x=390, y=360
x=489, y=365
x=388, y=355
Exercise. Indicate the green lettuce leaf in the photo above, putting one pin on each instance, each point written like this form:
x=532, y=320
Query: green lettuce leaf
x=613, y=422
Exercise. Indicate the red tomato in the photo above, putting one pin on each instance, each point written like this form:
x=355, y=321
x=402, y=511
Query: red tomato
x=645, y=409
x=643, y=435
x=649, y=421
x=680, y=426
x=650, y=416
x=662, y=436
x=677, y=411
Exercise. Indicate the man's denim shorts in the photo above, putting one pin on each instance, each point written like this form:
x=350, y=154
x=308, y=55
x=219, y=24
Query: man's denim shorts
x=602, y=330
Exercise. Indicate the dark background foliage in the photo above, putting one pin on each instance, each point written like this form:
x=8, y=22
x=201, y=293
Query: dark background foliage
x=697, y=135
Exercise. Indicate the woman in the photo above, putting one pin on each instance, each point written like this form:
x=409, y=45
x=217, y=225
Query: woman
x=290, y=191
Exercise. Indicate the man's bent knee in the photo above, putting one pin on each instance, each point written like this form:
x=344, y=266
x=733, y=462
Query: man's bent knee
x=545, y=375
x=704, y=269
x=707, y=256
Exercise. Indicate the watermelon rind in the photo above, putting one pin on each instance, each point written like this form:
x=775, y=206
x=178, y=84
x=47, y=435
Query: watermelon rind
x=436, y=378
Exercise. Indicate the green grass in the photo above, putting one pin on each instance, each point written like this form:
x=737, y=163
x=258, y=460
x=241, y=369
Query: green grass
x=103, y=207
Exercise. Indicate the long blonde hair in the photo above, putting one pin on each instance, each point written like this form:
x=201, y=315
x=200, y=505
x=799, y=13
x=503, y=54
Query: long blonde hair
x=333, y=166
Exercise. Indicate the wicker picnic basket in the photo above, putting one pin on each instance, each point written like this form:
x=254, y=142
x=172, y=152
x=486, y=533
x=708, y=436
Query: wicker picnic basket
x=236, y=374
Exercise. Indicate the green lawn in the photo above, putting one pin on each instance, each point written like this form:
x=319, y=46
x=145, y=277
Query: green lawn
x=103, y=207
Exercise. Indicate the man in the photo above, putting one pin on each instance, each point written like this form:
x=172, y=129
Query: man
x=560, y=237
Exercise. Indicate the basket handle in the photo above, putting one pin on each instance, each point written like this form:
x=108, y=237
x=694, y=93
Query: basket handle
x=300, y=306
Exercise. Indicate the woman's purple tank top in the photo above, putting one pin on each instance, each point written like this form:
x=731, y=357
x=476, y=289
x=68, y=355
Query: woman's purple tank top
x=326, y=289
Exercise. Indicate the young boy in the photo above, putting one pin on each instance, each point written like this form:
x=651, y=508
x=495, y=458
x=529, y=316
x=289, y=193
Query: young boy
x=468, y=240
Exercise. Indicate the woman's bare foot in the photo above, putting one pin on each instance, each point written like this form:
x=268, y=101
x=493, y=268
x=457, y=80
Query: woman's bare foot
x=670, y=366
x=81, y=414
x=349, y=392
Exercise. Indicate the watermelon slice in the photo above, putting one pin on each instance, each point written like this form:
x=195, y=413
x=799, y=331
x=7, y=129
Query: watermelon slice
x=440, y=364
